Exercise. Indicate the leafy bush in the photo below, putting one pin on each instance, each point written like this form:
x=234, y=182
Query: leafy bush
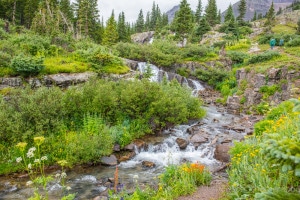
x=283, y=109
x=54, y=65
x=27, y=66
x=212, y=76
x=237, y=57
x=268, y=55
x=269, y=90
x=294, y=42
x=262, y=126
x=5, y=59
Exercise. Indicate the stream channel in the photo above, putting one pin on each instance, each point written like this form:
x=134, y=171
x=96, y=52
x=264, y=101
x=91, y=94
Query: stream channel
x=163, y=150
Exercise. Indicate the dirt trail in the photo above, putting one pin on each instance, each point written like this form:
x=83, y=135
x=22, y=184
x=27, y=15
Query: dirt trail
x=216, y=190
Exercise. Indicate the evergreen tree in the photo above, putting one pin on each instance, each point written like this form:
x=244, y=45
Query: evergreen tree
x=87, y=15
x=147, y=22
x=110, y=35
x=254, y=16
x=270, y=16
x=260, y=16
x=66, y=9
x=158, y=23
x=229, y=16
x=198, y=12
x=165, y=20
x=242, y=11
x=122, y=29
x=153, y=17
x=31, y=7
x=140, y=22
x=211, y=12
x=202, y=28
x=183, y=21
x=279, y=11
x=219, y=18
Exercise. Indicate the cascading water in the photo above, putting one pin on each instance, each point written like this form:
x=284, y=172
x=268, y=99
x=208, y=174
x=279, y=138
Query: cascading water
x=162, y=151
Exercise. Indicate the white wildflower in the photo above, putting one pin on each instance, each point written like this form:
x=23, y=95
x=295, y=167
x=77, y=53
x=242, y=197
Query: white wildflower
x=68, y=188
x=29, y=183
x=44, y=158
x=29, y=166
x=19, y=159
x=63, y=175
x=37, y=160
x=32, y=149
x=30, y=154
x=57, y=175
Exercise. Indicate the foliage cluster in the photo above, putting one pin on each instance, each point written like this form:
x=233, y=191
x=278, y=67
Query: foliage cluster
x=266, y=56
x=82, y=123
x=270, y=159
x=164, y=53
x=175, y=181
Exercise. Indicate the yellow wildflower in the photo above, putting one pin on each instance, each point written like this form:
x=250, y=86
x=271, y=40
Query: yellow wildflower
x=21, y=145
x=39, y=140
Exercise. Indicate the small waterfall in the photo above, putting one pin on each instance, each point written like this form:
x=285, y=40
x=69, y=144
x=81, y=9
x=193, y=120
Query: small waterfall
x=151, y=40
x=158, y=75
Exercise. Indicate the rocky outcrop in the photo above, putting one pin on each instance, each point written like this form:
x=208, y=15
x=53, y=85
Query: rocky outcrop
x=250, y=82
x=148, y=164
x=66, y=80
x=132, y=64
x=63, y=80
x=212, y=37
x=142, y=38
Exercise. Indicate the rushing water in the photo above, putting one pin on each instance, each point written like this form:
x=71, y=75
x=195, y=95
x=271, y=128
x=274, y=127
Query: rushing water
x=88, y=183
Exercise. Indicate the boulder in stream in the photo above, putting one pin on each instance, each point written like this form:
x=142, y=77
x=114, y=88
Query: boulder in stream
x=198, y=139
x=109, y=160
x=221, y=152
x=182, y=143
x=148, y=164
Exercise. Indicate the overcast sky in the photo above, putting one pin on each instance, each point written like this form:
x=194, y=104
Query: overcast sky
x=131, y=8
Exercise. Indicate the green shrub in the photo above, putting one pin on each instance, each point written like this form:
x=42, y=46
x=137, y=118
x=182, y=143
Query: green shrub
x=283, y=109
x=265, y=39
x=262, y=126
x=266, y=56
x=269, y=90
x=294, y=42
x=5, y=59
x=212, y=76
x=27, y=66
x=237, y=57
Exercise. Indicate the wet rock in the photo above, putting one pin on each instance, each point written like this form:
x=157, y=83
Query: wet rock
x=214, y=141
x=34, y=83
x=221, y=152
x=124, y=156
x=182, y=143
x=100, y=198
x=238, y=128
x=198, y=139
x=109, y=161
x=132, y=64
x=117, y=148
x=226, y=140
x=140, y=144
x=148, y=164
x=129, y=147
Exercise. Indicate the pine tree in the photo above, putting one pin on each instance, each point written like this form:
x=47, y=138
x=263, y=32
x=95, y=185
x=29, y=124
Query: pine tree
x=211, y=12
x=147, y=22
x=260, y=16
x=198, y=12
x=140, y=22
x=165, y=20
x=110, y=35
x=87, y=15
x=153, y=17
x=158, y=24
x=254, y=16
x=270, y=16
x=242, y=11
x=31, y=7
x=183, y=21
x=202, y=28
x=219, y=18
x=229, y=16
x=66, y=9
x=122, y=29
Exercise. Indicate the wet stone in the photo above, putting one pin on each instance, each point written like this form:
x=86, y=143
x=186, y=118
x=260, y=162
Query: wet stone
x=148, y=164
x=182, y=143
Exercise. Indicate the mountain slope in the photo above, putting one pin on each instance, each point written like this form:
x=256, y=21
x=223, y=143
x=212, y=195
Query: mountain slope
x=260, y=6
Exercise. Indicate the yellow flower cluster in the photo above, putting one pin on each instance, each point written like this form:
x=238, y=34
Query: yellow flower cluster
x=39, y=140
x=21, y=145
